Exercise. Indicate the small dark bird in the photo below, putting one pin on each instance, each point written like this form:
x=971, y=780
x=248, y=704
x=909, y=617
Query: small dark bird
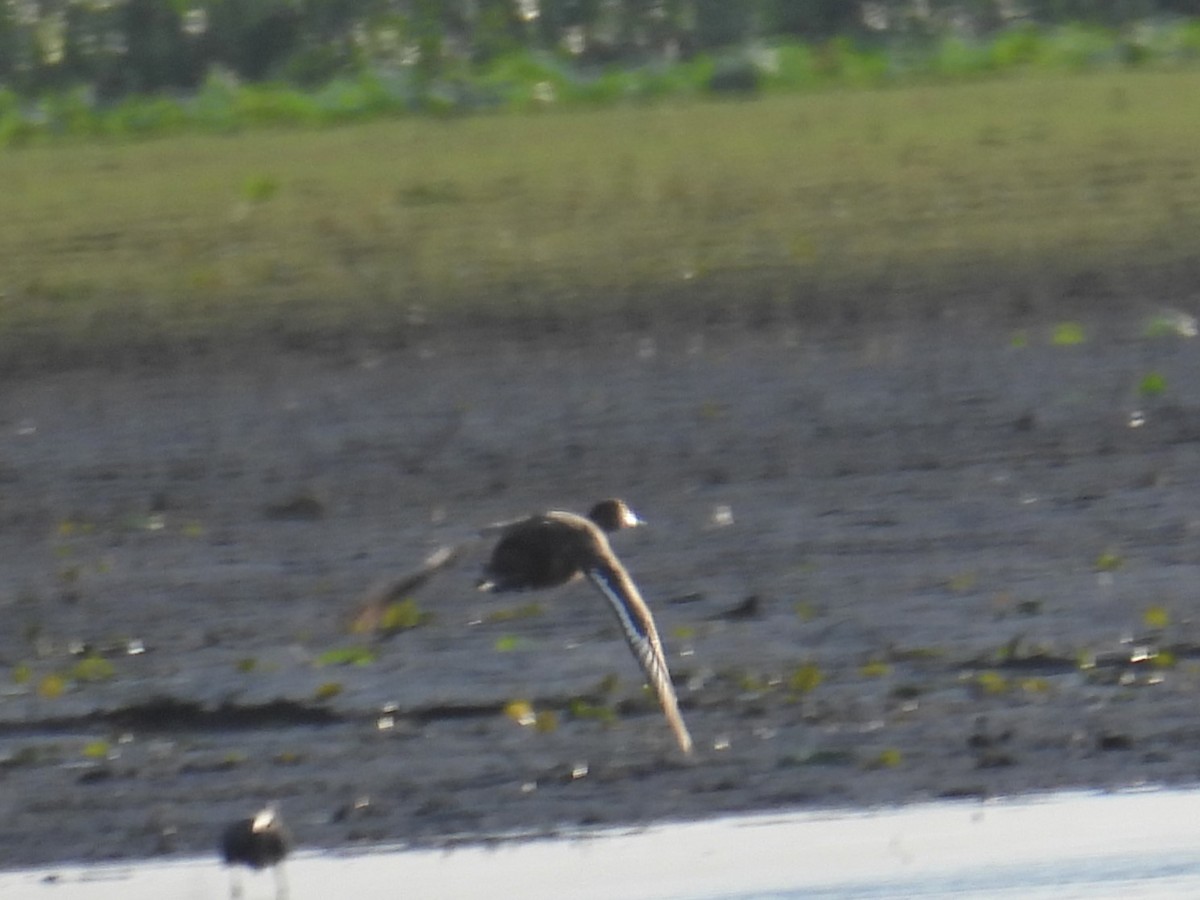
x=259, y=842
x=553, y=548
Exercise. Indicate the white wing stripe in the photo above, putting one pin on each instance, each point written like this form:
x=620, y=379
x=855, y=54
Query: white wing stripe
x=644, y=642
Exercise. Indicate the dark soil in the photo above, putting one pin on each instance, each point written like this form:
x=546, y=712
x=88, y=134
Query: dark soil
x=890, y=562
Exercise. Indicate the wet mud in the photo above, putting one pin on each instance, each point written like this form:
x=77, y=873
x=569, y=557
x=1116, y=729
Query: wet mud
x=933, y=558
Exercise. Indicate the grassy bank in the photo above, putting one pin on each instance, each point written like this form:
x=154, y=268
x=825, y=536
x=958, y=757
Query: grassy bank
x=43, y=107
x=919, y=189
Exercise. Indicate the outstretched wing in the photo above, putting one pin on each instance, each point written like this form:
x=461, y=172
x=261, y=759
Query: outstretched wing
x=638, y=626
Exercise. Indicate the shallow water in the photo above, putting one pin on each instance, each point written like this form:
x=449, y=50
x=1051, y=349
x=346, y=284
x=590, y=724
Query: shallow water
x=1065, y=845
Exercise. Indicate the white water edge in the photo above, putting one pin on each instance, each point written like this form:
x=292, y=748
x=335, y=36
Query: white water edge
x=1085, y=844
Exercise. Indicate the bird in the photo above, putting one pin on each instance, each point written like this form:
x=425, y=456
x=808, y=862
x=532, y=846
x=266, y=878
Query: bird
x=258, y=842
x=553, y=548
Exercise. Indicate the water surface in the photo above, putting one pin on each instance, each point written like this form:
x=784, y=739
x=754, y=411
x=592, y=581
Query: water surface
x=1143, y=843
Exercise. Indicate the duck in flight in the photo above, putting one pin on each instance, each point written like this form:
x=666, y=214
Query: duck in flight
x=555, y=547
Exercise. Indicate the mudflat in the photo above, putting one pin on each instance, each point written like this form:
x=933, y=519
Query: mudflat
x=927, y=557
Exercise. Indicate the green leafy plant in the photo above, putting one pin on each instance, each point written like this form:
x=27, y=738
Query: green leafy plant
x=402, y=616
x=1067, y=334
x=511, y=613
x=889, y=758
x=1152, y=384
x=991, y=683
x=1156, y=617
x=347, y=656
x=98, y=749
x=52, y=686
x=1163, y=659
x=580, y=708
x=875, y=669
x=521, y=712
x=93, y=669
x=328, y=690
x=804, y=678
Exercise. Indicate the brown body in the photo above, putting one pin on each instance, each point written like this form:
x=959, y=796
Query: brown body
x=553, y=548
x=545, y=551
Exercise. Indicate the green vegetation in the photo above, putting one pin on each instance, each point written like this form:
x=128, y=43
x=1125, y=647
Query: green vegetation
x=1163, y=659
x=1171, y=324
x=543, y=721
x=990, y=683
x=683, y=633
x=347, y=656
x=528, y=610
x=581, y=708
x=327, y=690
x=521, y=712
x=804, y=678
x=113, y=93
x=605, y=686
x=92, y=669
x=889, y=758
x=52, y=686
x=403, y=615
x=1156, y=617
x=1152, y=384
x=1035, y=685
x=1068, y=334
x=750, y=683
x=791, y=201
x=510, y=643
x=97, y=749
x=875, y=669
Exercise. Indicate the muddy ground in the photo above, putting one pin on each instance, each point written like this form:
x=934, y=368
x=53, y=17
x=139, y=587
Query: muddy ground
x=890, y=562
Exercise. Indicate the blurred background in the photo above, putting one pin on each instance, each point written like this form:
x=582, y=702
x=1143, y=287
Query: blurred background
x=880, y=313
x=283, y=167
